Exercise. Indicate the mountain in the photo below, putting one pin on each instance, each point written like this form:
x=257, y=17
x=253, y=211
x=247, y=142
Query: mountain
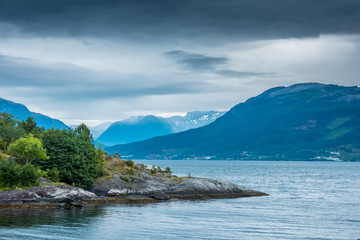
x=134, y=129
x=99, y=129
x=22, y=112
x=192, y=120
x=300, y=122
x=145, y=127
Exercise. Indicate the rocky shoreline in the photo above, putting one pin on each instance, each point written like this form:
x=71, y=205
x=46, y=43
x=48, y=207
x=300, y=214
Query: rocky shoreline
x=140, y=186
x=66, y=196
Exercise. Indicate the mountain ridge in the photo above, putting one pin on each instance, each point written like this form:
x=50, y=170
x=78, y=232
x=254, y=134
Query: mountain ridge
x=144, y=127
x=302, y=121
x=22, y=112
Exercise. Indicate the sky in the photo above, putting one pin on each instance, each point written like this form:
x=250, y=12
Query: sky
x=95, y=61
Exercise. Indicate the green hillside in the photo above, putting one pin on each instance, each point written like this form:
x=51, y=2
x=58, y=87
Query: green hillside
x=299, y=122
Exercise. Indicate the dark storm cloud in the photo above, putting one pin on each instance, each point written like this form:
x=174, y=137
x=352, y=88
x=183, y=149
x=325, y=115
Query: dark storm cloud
x=155, y=20
x=208, y=64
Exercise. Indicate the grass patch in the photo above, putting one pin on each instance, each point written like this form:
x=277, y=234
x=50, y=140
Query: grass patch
x=338, y=133
x=6, y=189
x=52, y=184
x=337, y=122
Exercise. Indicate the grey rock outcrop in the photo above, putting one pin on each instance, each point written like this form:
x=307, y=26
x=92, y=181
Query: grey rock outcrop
x=190, y=186
x=61, y=195
x=162, y=188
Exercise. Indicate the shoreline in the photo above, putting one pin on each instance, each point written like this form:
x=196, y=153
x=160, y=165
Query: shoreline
x=68, y=203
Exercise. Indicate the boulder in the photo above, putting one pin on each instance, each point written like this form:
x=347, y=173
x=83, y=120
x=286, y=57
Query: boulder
x=159, y=195
x=104, y=184
x=116, y=192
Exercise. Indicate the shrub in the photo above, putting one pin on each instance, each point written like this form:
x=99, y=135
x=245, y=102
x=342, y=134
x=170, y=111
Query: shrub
x=153, y=170
x=130, y=171
x=168, y=170
x=13, y=175
x=129, y=163
x=53, y=174
x=9, y=173
x=29, y=175
x=100, y=171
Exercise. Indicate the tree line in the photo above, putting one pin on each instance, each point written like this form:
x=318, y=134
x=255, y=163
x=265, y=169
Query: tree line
x=28, y=152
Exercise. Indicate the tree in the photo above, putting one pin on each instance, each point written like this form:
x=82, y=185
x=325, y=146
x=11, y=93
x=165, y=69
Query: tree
x=72, y=152
x=28, y=149
x=9, y=128
x=30, y=126
x=60, y=147
x=100, y=160
x=85, y=157
x=100, y=154
x=9, y=133
x=3, y=144
x=7, y=119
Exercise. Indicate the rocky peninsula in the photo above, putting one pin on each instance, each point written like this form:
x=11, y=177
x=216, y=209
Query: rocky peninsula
x=123, y=182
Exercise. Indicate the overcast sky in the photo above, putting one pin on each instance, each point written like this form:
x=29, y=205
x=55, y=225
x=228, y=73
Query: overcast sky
x=105, y=60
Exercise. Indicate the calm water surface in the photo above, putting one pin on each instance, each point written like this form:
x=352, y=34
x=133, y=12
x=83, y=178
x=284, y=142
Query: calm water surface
x=308, y=200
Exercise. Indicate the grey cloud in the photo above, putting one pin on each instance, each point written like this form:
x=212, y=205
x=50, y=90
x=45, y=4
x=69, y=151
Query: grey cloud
x=208, y=64
x=69, y=83
x=238, y=74
x=195, y=61
x=156, y=20
x=22, y=72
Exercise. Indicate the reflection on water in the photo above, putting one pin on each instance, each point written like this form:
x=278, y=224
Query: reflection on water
x=30, y=217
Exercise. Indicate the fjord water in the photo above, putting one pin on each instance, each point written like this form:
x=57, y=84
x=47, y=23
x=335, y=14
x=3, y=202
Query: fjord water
x=308, y=200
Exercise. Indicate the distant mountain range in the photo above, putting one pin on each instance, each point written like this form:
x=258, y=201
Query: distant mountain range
x=309, y=121
x=145, y=127
x=22, y=112
x=126, y=131
x=99, y=129
x=192, y=120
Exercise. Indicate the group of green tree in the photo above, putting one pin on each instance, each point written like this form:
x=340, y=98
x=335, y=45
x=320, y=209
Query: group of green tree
x=28, y=152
